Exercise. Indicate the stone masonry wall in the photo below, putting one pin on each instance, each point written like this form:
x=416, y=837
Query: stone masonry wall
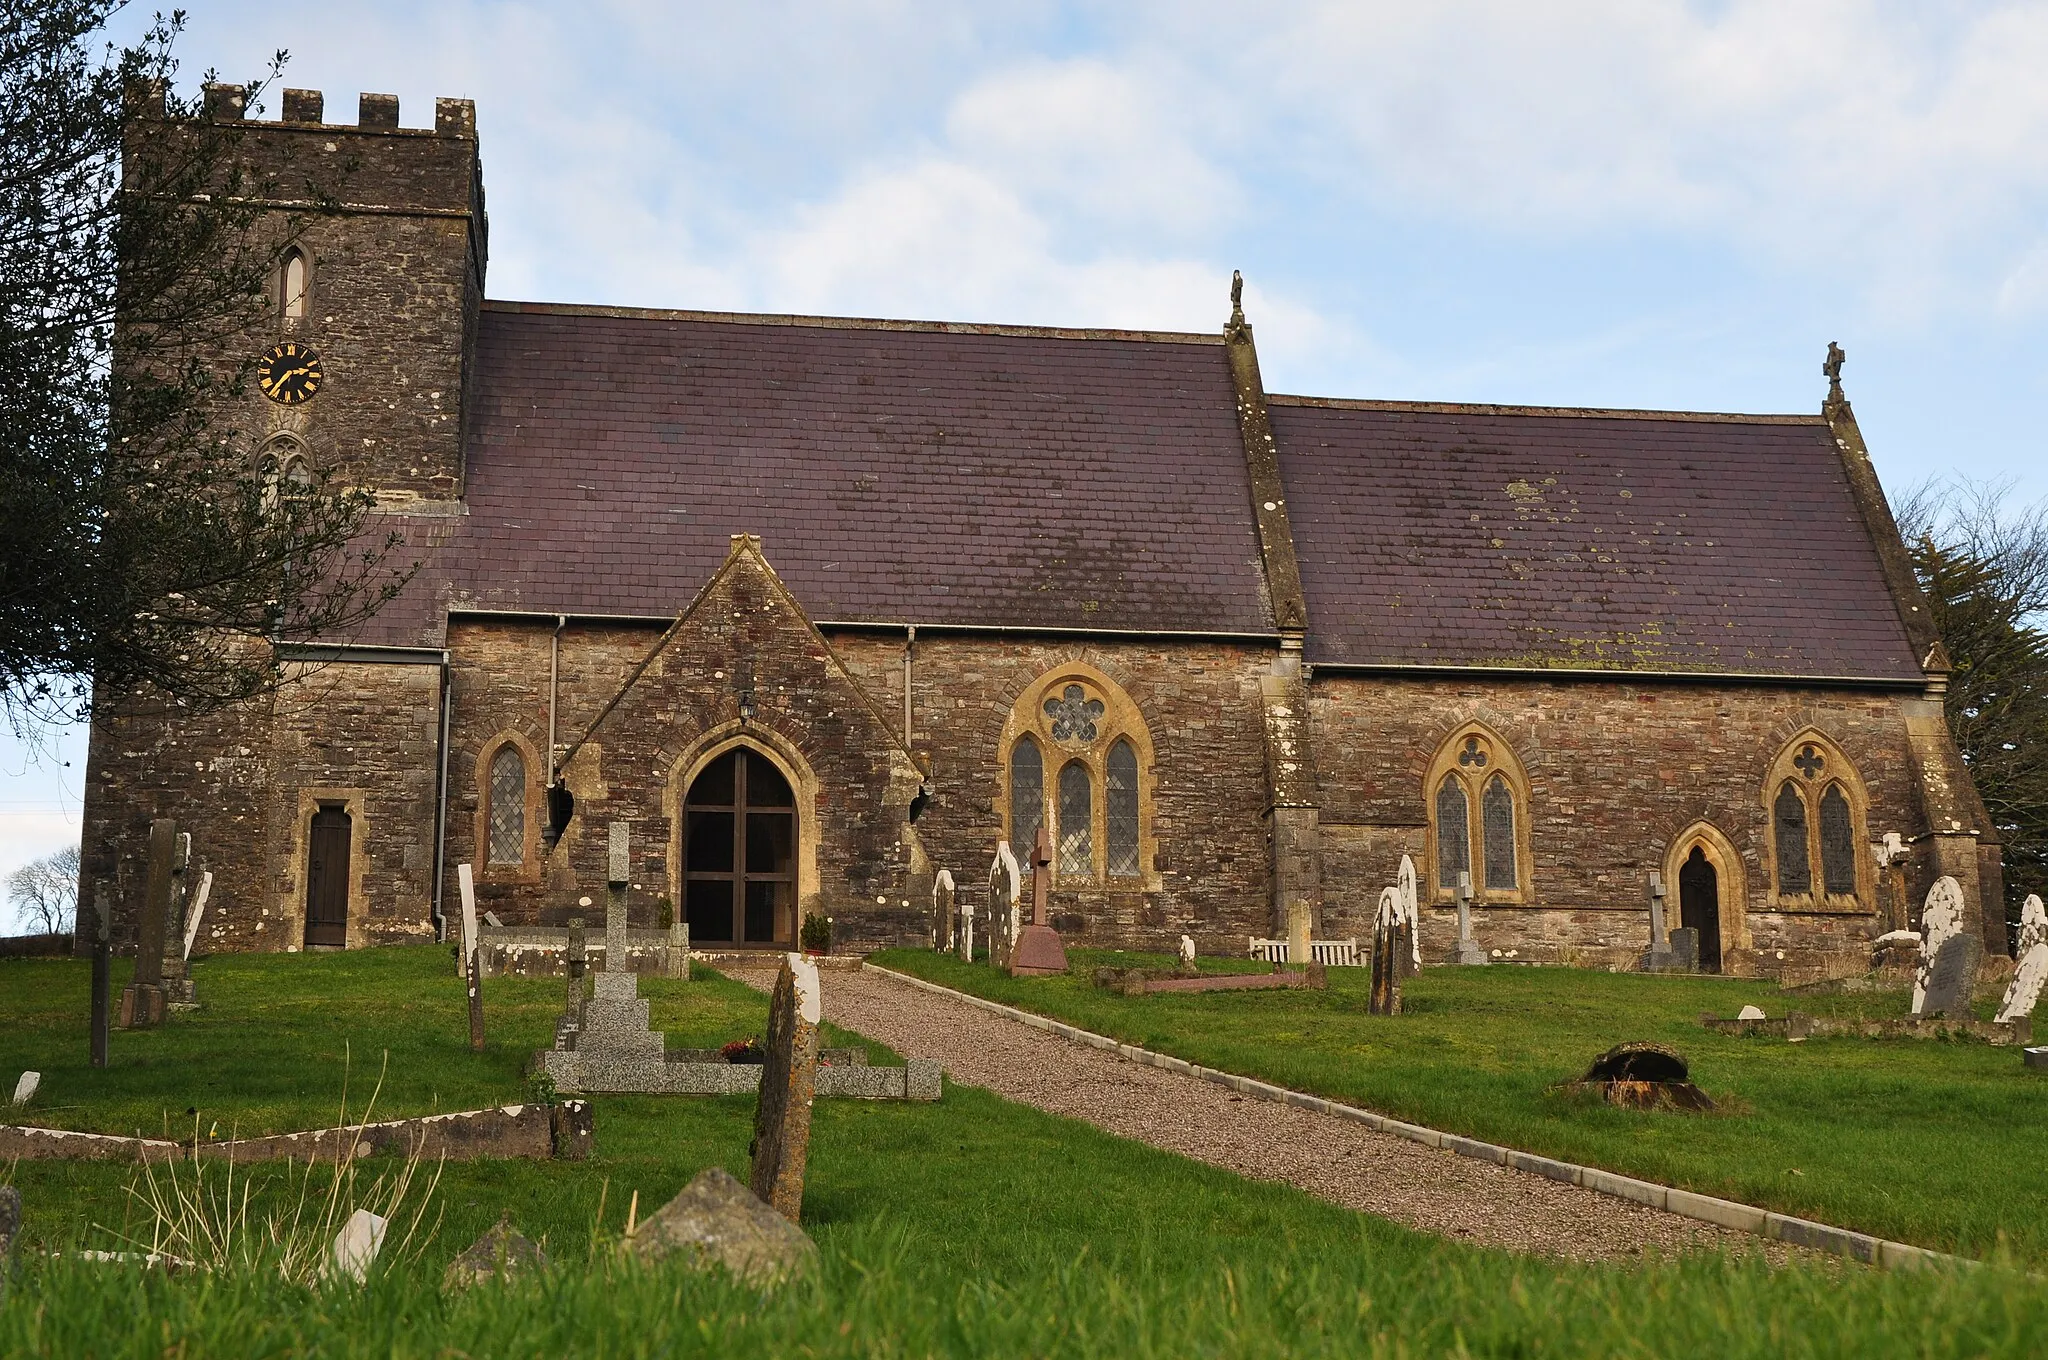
x=1615, y=772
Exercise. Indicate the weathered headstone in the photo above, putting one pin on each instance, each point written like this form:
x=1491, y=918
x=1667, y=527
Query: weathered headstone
x=357, y=1244
x=1469, y=953
x=472, y=971
x=2033, y=926
x=963, y=933
x=1386, y=946
x=194, y=915
x=142, y=1001
x=499, y=1254
x=676, y=963
x=2027, y=981
x=789, y=1080
x=1005, y=882
x=1751, y=1013
x=717, y=1223
x=1039, y=949
x=1953, y=977
x=1685, y=949
x=1941, y=919
x=176, y=988
x=575, y=962
x=25, y=1089
x=102, y=972
x=942, y=907
x=1411, y=916
x=1187, y=955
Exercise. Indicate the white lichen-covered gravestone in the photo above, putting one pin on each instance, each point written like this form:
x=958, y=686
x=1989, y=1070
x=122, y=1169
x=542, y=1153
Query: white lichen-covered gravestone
x=2032, y=974
x=1941, y=919
x=1411, y=910
x=357, y=1244
x=1187, y=952
x=25, y=1089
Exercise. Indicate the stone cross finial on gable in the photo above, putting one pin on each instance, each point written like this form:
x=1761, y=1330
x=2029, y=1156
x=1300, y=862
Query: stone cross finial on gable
x=1833, y=368
x=1236, y=299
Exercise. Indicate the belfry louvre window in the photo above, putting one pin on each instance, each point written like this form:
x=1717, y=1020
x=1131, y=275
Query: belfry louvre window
x=508, y=807
x=1477, y=801
x=1077, y=761
x=292, y=285
x=1816, y=803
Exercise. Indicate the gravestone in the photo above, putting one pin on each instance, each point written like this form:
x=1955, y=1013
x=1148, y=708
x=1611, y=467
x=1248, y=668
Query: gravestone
x=471, y=967
x=193, y=916
x=357, y=1244
x=25, y=1089
x=677, y=962
x=2033, y=926
x=1187, y=956
x=1039, y=951
x=575, y=962
x=1469, y=953
x=942, y=908
x=1953, y=977
x=1386, y=946
x=789, y=1081
x=142, y=1001
x=1005, y=882
x=1751, y=1013
x=2027, y=981
x=1411, y=917
x=1659, y=957
x=615, y=1022
x=1685, y=949
x=716, y=1222
x=177, y=986
x=1941, y=919
x=102, y=972
x=499, y=1254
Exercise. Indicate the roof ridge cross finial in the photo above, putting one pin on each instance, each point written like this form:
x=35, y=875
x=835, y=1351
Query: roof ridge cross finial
x=1236, y=299
x=1833, y=368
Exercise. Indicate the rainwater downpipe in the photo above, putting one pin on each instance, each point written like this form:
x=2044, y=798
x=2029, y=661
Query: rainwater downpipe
x=554, y=676
x=441, y=807
x=909, y=641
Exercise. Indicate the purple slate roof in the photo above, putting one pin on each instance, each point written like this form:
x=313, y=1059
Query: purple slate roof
x=974, y=475
x=1469, y=535
x=895, y=473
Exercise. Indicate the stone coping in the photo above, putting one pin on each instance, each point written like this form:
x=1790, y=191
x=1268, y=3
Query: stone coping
x=590, y=1074
x=1797, y=1026
x=529, y=1131
x=1799, y=1232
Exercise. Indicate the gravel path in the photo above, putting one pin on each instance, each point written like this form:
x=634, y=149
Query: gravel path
x=1333, y=1159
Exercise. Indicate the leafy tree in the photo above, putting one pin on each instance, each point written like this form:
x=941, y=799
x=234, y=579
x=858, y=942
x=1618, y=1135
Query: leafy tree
x=144, y=550
x=45, y=892
x=1984, y=566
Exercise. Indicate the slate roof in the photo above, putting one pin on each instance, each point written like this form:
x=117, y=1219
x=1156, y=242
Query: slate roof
x=1461, y=535
x=895, y=473
x=1024, y=478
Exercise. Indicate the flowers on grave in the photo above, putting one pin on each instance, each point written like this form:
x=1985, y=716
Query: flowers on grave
x=744, y=1052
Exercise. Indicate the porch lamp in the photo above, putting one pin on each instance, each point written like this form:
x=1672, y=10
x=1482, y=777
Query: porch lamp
x=746, y=706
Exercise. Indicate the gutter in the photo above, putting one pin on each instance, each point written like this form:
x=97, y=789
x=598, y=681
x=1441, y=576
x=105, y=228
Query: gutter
x=1587, y=673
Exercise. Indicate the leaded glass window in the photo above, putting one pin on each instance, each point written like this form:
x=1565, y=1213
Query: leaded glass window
x=1076, y=825
x=1497, y=817
x=508, y=807
x=1453, y=832
x=1123, y=808
x=1788, y=818
x=1837, y=843
x=1027, y=798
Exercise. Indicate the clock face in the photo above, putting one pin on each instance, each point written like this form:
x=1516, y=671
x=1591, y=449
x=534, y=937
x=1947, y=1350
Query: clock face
x=290, y=373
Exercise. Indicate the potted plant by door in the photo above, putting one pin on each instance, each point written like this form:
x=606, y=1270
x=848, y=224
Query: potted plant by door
x=816, y=935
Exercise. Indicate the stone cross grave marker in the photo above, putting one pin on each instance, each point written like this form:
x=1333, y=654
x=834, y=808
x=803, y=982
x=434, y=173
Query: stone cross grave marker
x=1940, y=920
x=1038, y=949
x=1469, y=952
x=1659, y=957
x=102, y=969
x=142, y=1001
x=472, y=968
x=1954, y=976
x=789, y=1082
x=1386, y=946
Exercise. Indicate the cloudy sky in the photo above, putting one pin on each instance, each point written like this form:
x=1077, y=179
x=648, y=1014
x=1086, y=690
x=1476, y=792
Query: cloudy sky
x=1581, y=202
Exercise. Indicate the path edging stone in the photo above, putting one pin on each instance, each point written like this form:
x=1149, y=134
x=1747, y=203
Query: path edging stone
x=1722, y=1213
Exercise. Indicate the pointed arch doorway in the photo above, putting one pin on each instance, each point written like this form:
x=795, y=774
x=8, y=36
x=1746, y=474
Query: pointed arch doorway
x=1699, y=905
x=1712, y=893
x=740, y=853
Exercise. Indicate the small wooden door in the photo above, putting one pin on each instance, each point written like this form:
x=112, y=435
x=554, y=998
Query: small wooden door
x=1699, y=905
x=327, y=880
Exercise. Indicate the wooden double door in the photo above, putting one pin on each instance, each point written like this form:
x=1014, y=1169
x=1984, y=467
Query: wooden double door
x=739, y=853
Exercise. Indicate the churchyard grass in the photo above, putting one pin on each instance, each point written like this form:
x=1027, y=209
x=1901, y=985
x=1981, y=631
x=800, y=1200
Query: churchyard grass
x=1935, y=1143
x=974, y=1226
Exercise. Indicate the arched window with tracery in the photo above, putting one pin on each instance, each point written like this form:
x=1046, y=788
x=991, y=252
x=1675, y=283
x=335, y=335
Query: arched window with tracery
x=1477, y=797
x=1097, y=807
x=1817, y=807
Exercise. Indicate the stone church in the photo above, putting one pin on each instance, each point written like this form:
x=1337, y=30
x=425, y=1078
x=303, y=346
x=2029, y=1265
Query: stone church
x=823, y=606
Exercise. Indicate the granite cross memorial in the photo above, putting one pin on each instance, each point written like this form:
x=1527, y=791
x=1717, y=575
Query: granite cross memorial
x=1039, y=949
